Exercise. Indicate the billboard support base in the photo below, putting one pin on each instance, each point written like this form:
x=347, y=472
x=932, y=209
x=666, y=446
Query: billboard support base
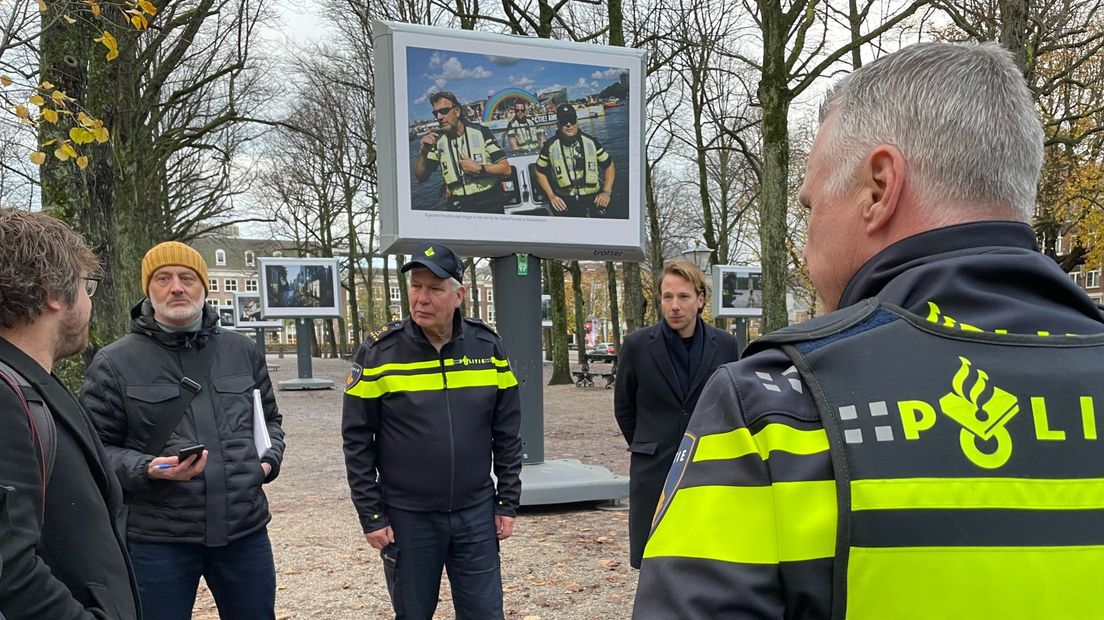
x=309, y=383
x=564, y=481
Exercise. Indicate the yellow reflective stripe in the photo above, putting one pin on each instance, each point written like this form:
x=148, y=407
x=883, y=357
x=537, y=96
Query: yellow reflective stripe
x=1016, y=493
x=500, y=363
x=772, y=438
x=368, y=372
x=974, y=582
x=741, y=524
x=506, y=380
x=397, y=383
x=473, y=378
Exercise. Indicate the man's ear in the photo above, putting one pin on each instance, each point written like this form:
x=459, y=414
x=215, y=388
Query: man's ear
x=884, y=182
x=53, y=305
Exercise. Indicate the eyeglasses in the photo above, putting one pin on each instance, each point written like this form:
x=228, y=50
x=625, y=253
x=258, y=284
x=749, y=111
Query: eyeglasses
x=90, y=286
x=444, y=111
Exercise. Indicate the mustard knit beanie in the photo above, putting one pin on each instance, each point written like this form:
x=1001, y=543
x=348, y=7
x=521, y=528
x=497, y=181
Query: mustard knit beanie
x=173, y=253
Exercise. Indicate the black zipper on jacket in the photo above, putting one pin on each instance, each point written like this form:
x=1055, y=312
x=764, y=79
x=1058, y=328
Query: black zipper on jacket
x=452, y=440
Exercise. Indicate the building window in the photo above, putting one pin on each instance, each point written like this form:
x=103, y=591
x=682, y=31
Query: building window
x=251, y=285
x=490, y=315
x=289, y=333
x=489, y=294
x=250, y=259
x=213, y=285
x=230, y=285
x=229, y=303
x=1092, y=279
x=1076, y=277
x=220, y=257
x=394, y=293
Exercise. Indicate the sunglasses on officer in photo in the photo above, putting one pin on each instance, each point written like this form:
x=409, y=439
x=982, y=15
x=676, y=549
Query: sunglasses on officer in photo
x=444, y=111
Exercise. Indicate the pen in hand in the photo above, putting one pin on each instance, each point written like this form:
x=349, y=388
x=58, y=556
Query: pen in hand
x=162, y=466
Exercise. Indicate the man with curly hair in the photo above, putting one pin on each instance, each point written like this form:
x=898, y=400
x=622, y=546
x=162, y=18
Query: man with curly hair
x=62, y=548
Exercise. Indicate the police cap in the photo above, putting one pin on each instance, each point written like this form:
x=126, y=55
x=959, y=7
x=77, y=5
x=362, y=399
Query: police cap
x=565, y=114
x=443, y=262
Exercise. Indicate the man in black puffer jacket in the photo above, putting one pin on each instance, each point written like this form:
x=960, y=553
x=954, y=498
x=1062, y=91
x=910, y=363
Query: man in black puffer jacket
x=206, y=514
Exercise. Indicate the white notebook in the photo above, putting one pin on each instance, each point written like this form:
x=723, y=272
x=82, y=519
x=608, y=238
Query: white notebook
x=260, y=427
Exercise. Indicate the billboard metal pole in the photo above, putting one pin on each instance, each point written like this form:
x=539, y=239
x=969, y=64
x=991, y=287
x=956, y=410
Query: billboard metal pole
x=543, y=481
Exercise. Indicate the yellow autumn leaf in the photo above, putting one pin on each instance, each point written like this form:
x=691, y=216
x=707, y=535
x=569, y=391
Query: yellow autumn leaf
x=110, y=43
x=80, y=136
x=95, y=8
x=5, y=81
x=21, y=111
x=58, y=97
x=41, y=6
x=61, y=154
x=47, y=143
x=37, y=100
x=68, y=148
x=38, y=158
x=47, y=85
x=101, y=134
x=50, y=115
x=82, y=162
x=139, y=22
x=84, y=119
x=148, y=7
x=69, y=20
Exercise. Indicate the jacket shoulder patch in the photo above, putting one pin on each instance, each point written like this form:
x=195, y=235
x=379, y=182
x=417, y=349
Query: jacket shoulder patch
x=480, y=323
x=383, y=331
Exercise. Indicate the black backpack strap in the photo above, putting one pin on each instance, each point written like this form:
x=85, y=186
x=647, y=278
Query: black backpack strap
x=43, y=431
x=196, y=369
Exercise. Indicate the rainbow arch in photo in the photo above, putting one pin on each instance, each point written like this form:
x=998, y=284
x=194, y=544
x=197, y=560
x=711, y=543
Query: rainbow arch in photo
x=505, y=96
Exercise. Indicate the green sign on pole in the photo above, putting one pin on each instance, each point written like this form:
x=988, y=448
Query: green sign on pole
x=523, y=264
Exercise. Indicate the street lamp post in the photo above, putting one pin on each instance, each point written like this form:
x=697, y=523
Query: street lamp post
x=699, y=254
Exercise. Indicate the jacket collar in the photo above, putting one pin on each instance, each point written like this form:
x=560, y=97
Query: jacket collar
x=987, y=274
x=142, y=322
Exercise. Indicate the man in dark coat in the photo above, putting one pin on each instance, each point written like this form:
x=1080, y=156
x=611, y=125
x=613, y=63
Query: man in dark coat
x=61, y=542
x=193, y=515
x=660, y=373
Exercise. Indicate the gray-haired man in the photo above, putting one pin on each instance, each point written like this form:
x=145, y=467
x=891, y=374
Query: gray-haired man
x=930, y=449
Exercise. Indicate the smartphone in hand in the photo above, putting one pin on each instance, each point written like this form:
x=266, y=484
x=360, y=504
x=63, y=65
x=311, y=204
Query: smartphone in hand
x=196, y=450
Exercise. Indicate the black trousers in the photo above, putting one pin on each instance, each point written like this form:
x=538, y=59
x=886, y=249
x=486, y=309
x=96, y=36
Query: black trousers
x=583, y=206
x=464, y=543
x=490, y=201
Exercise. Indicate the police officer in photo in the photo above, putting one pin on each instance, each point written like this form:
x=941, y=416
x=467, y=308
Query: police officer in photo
x=431, y=409
x=472, y=164
x=573, y=169
x=931, y=448
x=523, y=133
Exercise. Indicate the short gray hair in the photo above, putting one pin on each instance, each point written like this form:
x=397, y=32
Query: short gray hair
x=962, y=116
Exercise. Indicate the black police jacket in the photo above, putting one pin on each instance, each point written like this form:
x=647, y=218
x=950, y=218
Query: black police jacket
x=430, y=424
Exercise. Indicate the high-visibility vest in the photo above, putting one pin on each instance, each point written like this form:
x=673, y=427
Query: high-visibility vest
x=472, y=145
x=567, y=178
x=969, y=469
x=525, y=132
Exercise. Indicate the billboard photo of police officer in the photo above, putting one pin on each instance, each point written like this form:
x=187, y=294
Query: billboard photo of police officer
x=740, y=291
x=507, y=135
x=470, y=161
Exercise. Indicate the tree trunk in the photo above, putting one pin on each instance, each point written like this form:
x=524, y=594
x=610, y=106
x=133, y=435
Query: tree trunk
x=561, y=371
x=615, y=315
x=577, y=292
x=774, y=96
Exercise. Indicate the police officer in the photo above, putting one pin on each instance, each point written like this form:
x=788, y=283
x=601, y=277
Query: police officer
x=431, y=408
x=522, y=131
x=568, y=169
x=472, y=164
x=930, y=449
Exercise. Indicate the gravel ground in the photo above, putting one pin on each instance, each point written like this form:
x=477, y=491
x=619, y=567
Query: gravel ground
x=566, y=562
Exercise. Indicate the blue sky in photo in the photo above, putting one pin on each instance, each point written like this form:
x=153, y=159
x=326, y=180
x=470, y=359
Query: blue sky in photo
x=473, y=77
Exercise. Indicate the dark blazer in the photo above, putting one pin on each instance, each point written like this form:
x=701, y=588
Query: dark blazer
x=653, y=415
x=73, y=564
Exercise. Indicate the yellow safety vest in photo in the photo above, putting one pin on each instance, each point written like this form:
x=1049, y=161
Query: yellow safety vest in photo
x=449, y=151
x=566, y=179
x=525, y=132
